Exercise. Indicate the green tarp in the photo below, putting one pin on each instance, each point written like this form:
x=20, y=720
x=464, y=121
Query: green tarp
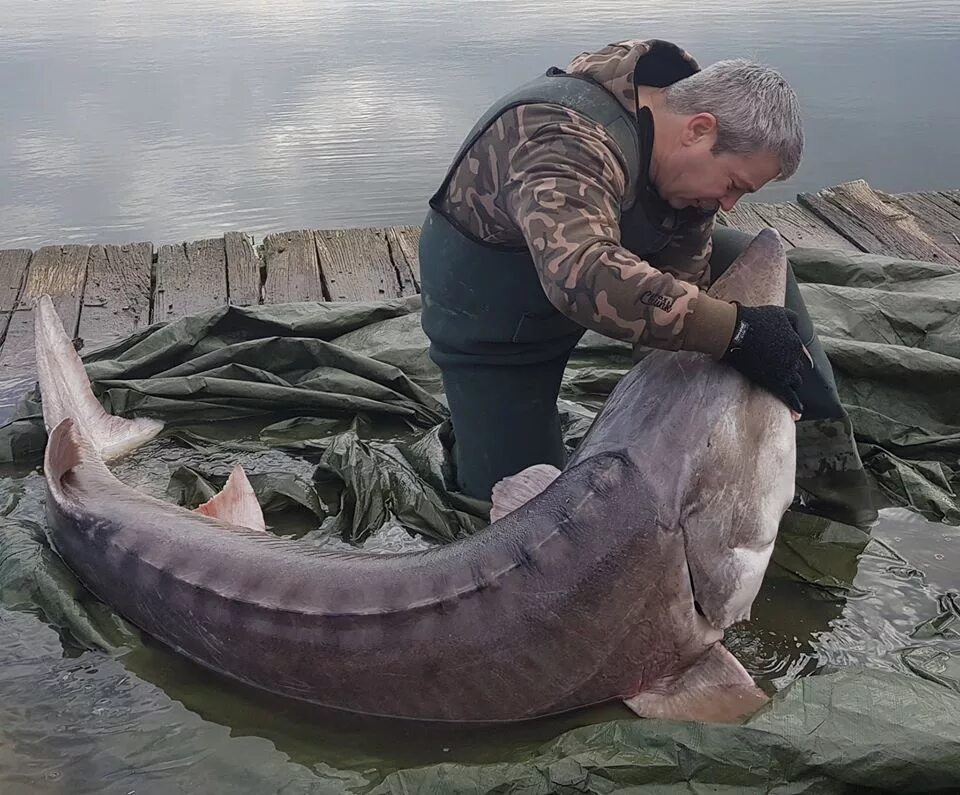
x=889, y=327
x=842, y=732
x=338, y=414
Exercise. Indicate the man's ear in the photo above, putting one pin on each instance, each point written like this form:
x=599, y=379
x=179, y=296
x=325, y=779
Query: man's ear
x=700, y=126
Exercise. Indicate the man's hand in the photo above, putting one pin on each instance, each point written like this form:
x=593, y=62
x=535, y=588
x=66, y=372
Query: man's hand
x=767, y=349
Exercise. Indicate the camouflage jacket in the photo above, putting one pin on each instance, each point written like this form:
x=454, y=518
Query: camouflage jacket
x=547, y=177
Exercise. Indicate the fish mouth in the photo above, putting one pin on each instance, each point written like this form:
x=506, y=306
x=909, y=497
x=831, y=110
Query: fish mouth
x=704, y=625
x=709, y=632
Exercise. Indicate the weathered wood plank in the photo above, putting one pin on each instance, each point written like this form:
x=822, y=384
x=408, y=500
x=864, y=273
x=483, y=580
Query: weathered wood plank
x=243, y=270
x=943, y=201
x=861, y=215
x=292, y=270
x=60, y=272
x=13, y=267
x=953, y=195
x=116, y=301
x=936, y=220
x=743, y=217
x=803, y=229
x=840, y=221
x=191, y=277
x=404, y=242
x=356, y=265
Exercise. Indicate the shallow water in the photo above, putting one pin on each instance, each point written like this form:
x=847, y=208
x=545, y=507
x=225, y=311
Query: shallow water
x=128, y=121
x=70, y=715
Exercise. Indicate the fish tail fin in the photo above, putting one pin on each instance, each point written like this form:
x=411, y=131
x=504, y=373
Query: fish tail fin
x=715, y=689
x=65, y=391
x=236, y=504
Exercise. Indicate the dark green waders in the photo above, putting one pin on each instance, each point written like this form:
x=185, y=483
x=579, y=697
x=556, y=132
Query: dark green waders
x=502, y=347
x=500, y=344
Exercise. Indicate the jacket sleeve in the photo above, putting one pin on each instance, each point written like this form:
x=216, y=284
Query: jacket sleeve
x=563, y=189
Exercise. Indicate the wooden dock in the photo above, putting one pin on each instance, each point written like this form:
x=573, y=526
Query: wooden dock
x=106, y=292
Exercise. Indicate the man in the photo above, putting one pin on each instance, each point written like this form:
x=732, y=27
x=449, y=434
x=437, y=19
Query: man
x=586, y=200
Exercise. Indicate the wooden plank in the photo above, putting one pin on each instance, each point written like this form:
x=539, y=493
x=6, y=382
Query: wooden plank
x=60, y=272
x=292, y=271
x=943, y=201
x=857, y=212
x=801, y=228
x=404, y=243
x=116, y=301
x=937, y=221
x=921, y=204
x=356, y=265
x=743, y=217
x=839, y=220
x=243, y=270
x=13, y=267
x=953, y=195
x=191, y=277
x=57, y=271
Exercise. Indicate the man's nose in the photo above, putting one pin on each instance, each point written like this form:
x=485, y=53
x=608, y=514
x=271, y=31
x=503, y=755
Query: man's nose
x=728, y=201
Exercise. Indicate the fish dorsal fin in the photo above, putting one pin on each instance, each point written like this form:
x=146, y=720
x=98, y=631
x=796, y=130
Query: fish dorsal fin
x=236, y=503
x=715, y=689
x=517, y=490
x=65, y=391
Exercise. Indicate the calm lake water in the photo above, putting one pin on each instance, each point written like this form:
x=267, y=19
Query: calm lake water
x=125, y=121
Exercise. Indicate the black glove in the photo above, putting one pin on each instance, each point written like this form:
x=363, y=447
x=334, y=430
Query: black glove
x=767, y=349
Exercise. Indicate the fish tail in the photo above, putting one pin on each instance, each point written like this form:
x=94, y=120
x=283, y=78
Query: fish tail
x=65, y=391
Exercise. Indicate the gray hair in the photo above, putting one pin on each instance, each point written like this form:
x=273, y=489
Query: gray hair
x=755, y=108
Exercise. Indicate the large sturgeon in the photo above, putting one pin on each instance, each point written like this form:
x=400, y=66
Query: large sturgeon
x=611, y=580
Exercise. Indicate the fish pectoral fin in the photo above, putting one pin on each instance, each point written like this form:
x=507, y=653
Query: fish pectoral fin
x=715, y=689
x=517, y=490
x=236, y=503
x=65, y=391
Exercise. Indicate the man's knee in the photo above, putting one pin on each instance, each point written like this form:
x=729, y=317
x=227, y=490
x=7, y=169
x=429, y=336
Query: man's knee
x=504, y=419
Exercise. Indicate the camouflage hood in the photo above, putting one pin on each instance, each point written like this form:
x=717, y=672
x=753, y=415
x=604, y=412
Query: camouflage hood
x=620, y=67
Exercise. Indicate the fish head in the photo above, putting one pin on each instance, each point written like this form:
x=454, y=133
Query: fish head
x=741, y=478
x=758, y=277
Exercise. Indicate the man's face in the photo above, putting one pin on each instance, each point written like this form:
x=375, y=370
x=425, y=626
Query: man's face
x=693, y=176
